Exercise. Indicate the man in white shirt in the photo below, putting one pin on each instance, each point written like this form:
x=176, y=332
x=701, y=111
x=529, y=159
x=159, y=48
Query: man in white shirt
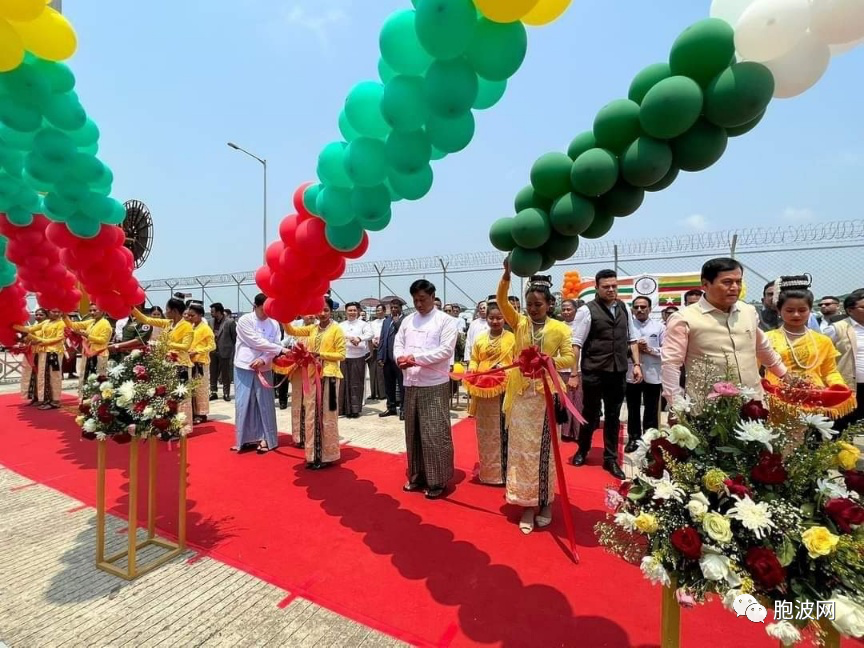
x=423, y=348
x=357, y=337
x=848, y=336
x=376, y=372
x=475, y=330
x=570, y=429
x=649, y=337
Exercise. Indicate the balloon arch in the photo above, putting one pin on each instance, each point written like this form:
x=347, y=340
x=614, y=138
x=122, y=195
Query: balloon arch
x=441, y=63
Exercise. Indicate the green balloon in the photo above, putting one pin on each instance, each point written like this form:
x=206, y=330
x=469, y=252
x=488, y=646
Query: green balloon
x=19, y=117
x=445, y=28
x=489, y=93
x=103, y=209
x=310, y=198
x=20, y=217
x=412, y=186
x=550, y=175
x=371, y=204
x=646, y=161
x=617, y=124
x=59, y=76
x=11, y=161
x=18, y=140
x=703, y=50
x=450, y=135
x=366, y=162
x=548, y=261
x=88, y=168
x=55, y=145
x=348, y=132
x=74, y=191
x=104, y=182
x=377, y=224
x=363, y=109
x=746, y=128
x=403, y=104
x=561, y=248
x=401, y=50
x=647, y=79
x=531, y=228
x=581, y=143
x=599, y=227
x=394, y=197
x=26, y=85
x=438, y=155
x=667, y=180
x=501, y=234
x=623, y=200
x=451, y=87
x=527, y=198
x=331, y=165
x=524, y=263
x=408, y=152
x=498, y=49
x=594, y=172
x=671, y=107
x=571, y=214
x=83, y=227
x=385, y=72
x=739, y=94
x=65, y=111
x=700, y=147
x=87, y=135
x=334, y=206
x=344, y=237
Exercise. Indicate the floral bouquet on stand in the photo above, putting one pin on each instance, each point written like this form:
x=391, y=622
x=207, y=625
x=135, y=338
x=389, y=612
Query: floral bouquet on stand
x=732, y=501
x=140, y=396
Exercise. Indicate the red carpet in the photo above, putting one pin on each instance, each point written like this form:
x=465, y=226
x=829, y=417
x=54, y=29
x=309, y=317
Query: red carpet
x=456, y=572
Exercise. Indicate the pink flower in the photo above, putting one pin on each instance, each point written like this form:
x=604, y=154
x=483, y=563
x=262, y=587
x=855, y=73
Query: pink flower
x=139, y=369
x=724, y=390
x=131, y=429
x=684, y=599
x=613, y=499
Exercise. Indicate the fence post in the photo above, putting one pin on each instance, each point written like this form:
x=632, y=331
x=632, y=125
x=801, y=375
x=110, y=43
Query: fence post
x=615, y=252
x=444, y=270
x=380, y=272
x=733, y=245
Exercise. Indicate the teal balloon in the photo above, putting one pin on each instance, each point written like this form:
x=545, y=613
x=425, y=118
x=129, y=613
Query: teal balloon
x=498, y=49
x=524, y=263
x=489, y=93
x=58, y=207
x=103, y=209
x=412, y=186
x=376, y=224
x=501, y=234
x=65, y=111
x=310, y=198
x=408, y=152
x=363, y=109
x=665, y=181
x=671, y=107
x=739, y=94
x=55, y=145
x=403, y=104
x=581, y=143
x=84, y=227
x=75, y=191
x=446, y=28
x=622, y=200
x=87, y=135
x=531, y=228
x=385, y=72
x=344, y=237
x=26, y=85
x=104, y=182
x=594, y=172
x=87, y=168
x=450, y=135
x=334, y=206
x=571, y=214
x=599, y=227
x=41, y=173
x=703, y=50
x=646, y=161
x=331, y=165
x=401, y=50
x=348, y=132
x=11, y=161
x=617, y=124
x=451, y=87
x=18, y=140
x=366, y=162
x=19, y=216
x=59, y=76
x=437, y=154
x=20, y=117
x=550, y=175
x=370, y=203
x=561, y=248
x=527, y=198
x=700, y=147
x=746, y=128
x=646, y=79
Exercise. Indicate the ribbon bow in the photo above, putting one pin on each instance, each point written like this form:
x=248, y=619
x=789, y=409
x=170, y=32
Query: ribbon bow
x=836, y=400
x=24, y=350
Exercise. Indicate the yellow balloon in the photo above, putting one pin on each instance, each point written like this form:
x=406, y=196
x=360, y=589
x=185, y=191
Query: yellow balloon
x=11, y=48
x=545, y=12
x=50, y=36
x=505, y=11
x=21, y=10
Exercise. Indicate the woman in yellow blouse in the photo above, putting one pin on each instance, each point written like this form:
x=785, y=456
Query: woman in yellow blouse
x=97, y=332
x=530, y=465
x=203, y=342
x=326, y=341
x=27, y=392
x=298, y=398
x=46, y=383
x=490, y=350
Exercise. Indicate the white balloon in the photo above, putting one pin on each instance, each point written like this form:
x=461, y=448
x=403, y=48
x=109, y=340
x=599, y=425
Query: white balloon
x=800, y=68
x=769, y=28
x=729, y=10
x=837, y=50
x=837, y=21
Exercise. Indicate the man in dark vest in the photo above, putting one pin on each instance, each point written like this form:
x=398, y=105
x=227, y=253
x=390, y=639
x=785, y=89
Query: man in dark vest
x=602, y=335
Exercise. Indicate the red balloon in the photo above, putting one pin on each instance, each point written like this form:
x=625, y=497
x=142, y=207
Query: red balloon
x=279, y=309
x=298, y=197
x=288, y=229
x=274, y=251
x=336, y=270
x=310, y=237
x=262, y=278
x=360, y=250
x=294, y=264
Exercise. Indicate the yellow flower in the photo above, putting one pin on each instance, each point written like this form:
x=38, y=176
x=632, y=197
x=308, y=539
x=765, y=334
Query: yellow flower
x=107, y=393
x=717, y=527
x=79, y=420
x=714, y=479
x=646, y=523
x=819, y=541
x=847, y=456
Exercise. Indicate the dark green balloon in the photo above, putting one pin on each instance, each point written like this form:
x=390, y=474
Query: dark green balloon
x=446, y=28
x=403, y=104
x=667, y=180
x=366, y=162
x=671, y=107
x=594, y=172
x=331, y=165
x=334, y=206
x=623, y=200
x=600, y=227
x=647, y=79
x=700, y=147
x=438, y=155
x=739, y=94
x=408, y=152
x=646, y=161
x=531, y=228
x=412, y=186
x=401, y=50
x=550, y=175
x=703, y=50
x=571, y=214
x=524, y=263
x=617, y=124
x=548, y=261
x=746, y=128
x=527, y=198
x=561, y=248
x=450, y=135
x=581, y=143
x=344, y=237
x=489, y=93
x=498, y=49
x=501, y=234
x=370, y=203
x=310, y=198
x=451, y=87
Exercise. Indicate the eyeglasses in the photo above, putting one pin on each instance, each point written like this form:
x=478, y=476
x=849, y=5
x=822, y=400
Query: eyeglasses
x=640, y=307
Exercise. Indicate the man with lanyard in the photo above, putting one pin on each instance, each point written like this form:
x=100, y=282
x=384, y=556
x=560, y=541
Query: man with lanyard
x=132, y=335
x=96, y=333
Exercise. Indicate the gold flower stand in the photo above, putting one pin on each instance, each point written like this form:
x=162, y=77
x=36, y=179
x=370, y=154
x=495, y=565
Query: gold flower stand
x=133, y=568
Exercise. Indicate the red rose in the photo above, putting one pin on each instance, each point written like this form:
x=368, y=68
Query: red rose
x=161, y=423
x=142, y=376
x=173, y=357
x=687, y=542
x=105, y=418
x=100, y=379
x=90, y=436
x=844, y=513
x=122, y=437
x=754, y=411
x=763, y=565
x=737, y=487
x=770, y=469
x=172, y=406
x=161, y=390
x=655, y=469
x=139, y=407
x=624, y=488
x=854, y=481
x=675, y=451
x=84, y=408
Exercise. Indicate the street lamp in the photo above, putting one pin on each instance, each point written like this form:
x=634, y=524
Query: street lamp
x=264, y=164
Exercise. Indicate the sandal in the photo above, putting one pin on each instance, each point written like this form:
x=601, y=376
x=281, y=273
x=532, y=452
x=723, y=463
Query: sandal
x=526, y=524
x=544, y=517
x=262, y=448
x=245, y=446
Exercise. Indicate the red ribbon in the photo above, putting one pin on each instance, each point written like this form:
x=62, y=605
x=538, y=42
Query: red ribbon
x=810, y=397
x=78, y=341
x=301, y=359
x=25, y=350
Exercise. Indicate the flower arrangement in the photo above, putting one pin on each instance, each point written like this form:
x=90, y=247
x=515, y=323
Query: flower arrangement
x=733, y=500
x=139, y=397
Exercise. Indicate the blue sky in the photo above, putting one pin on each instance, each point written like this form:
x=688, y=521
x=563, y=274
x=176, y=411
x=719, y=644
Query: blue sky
x=169, y=83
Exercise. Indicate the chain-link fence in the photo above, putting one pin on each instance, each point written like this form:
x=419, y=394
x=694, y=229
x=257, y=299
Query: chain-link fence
x=830, y=252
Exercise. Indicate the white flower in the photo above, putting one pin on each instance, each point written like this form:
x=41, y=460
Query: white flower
x=654, y=571
x=92, y=378
x=135, y=354
x=833, y=485
x=89, y=425
x=181, y=390
x=755, y=431
x=748, y=393
x=666, y=489
x=101, y=436
x=127, y=390
x=626, y=521
x=848, y=615
x=151, y=392
x=729, y=598
x=681, y=436
x=697, y=506
x=755, y=517
x=180, y=418
x=148, y=412
x=116, y=371
x=716, y=567
x=106, y=386
x=821, y=423
x=681, y=403
x=787, y=633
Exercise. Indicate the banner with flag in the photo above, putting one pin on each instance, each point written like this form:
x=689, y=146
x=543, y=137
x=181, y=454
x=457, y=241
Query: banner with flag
x=662, y=289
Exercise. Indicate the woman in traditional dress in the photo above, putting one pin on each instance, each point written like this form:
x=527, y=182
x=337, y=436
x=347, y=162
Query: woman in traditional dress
x=530, y=465
x=26, y=367
x=491, y=350
x=326, y=341
x=46, y=381
x=97, y=332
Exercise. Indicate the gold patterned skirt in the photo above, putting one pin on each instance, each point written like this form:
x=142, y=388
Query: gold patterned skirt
x=322, y=423
x=491, y=440
x=530, y=464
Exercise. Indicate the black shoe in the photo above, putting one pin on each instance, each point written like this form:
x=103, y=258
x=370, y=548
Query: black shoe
x=578, y=459
x=411, y=487
x=632, y=446
x=568, y=439
x=614, y=469
x=388, y=413
x=283, y=406
x=434, y=493
x=214, y=396
x=226, y=398
x=401, y=416
x=353, y=416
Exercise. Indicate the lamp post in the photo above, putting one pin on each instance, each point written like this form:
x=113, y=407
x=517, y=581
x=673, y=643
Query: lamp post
x=264, y=164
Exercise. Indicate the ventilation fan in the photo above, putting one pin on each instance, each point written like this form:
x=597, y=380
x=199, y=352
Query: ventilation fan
x=138, y=226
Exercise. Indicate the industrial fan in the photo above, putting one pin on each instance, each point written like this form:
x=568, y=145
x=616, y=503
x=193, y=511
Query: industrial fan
x=138, y=227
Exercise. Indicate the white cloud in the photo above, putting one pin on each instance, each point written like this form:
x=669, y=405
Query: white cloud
x=798, y=214
x=696, y=222
x=317, y=21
